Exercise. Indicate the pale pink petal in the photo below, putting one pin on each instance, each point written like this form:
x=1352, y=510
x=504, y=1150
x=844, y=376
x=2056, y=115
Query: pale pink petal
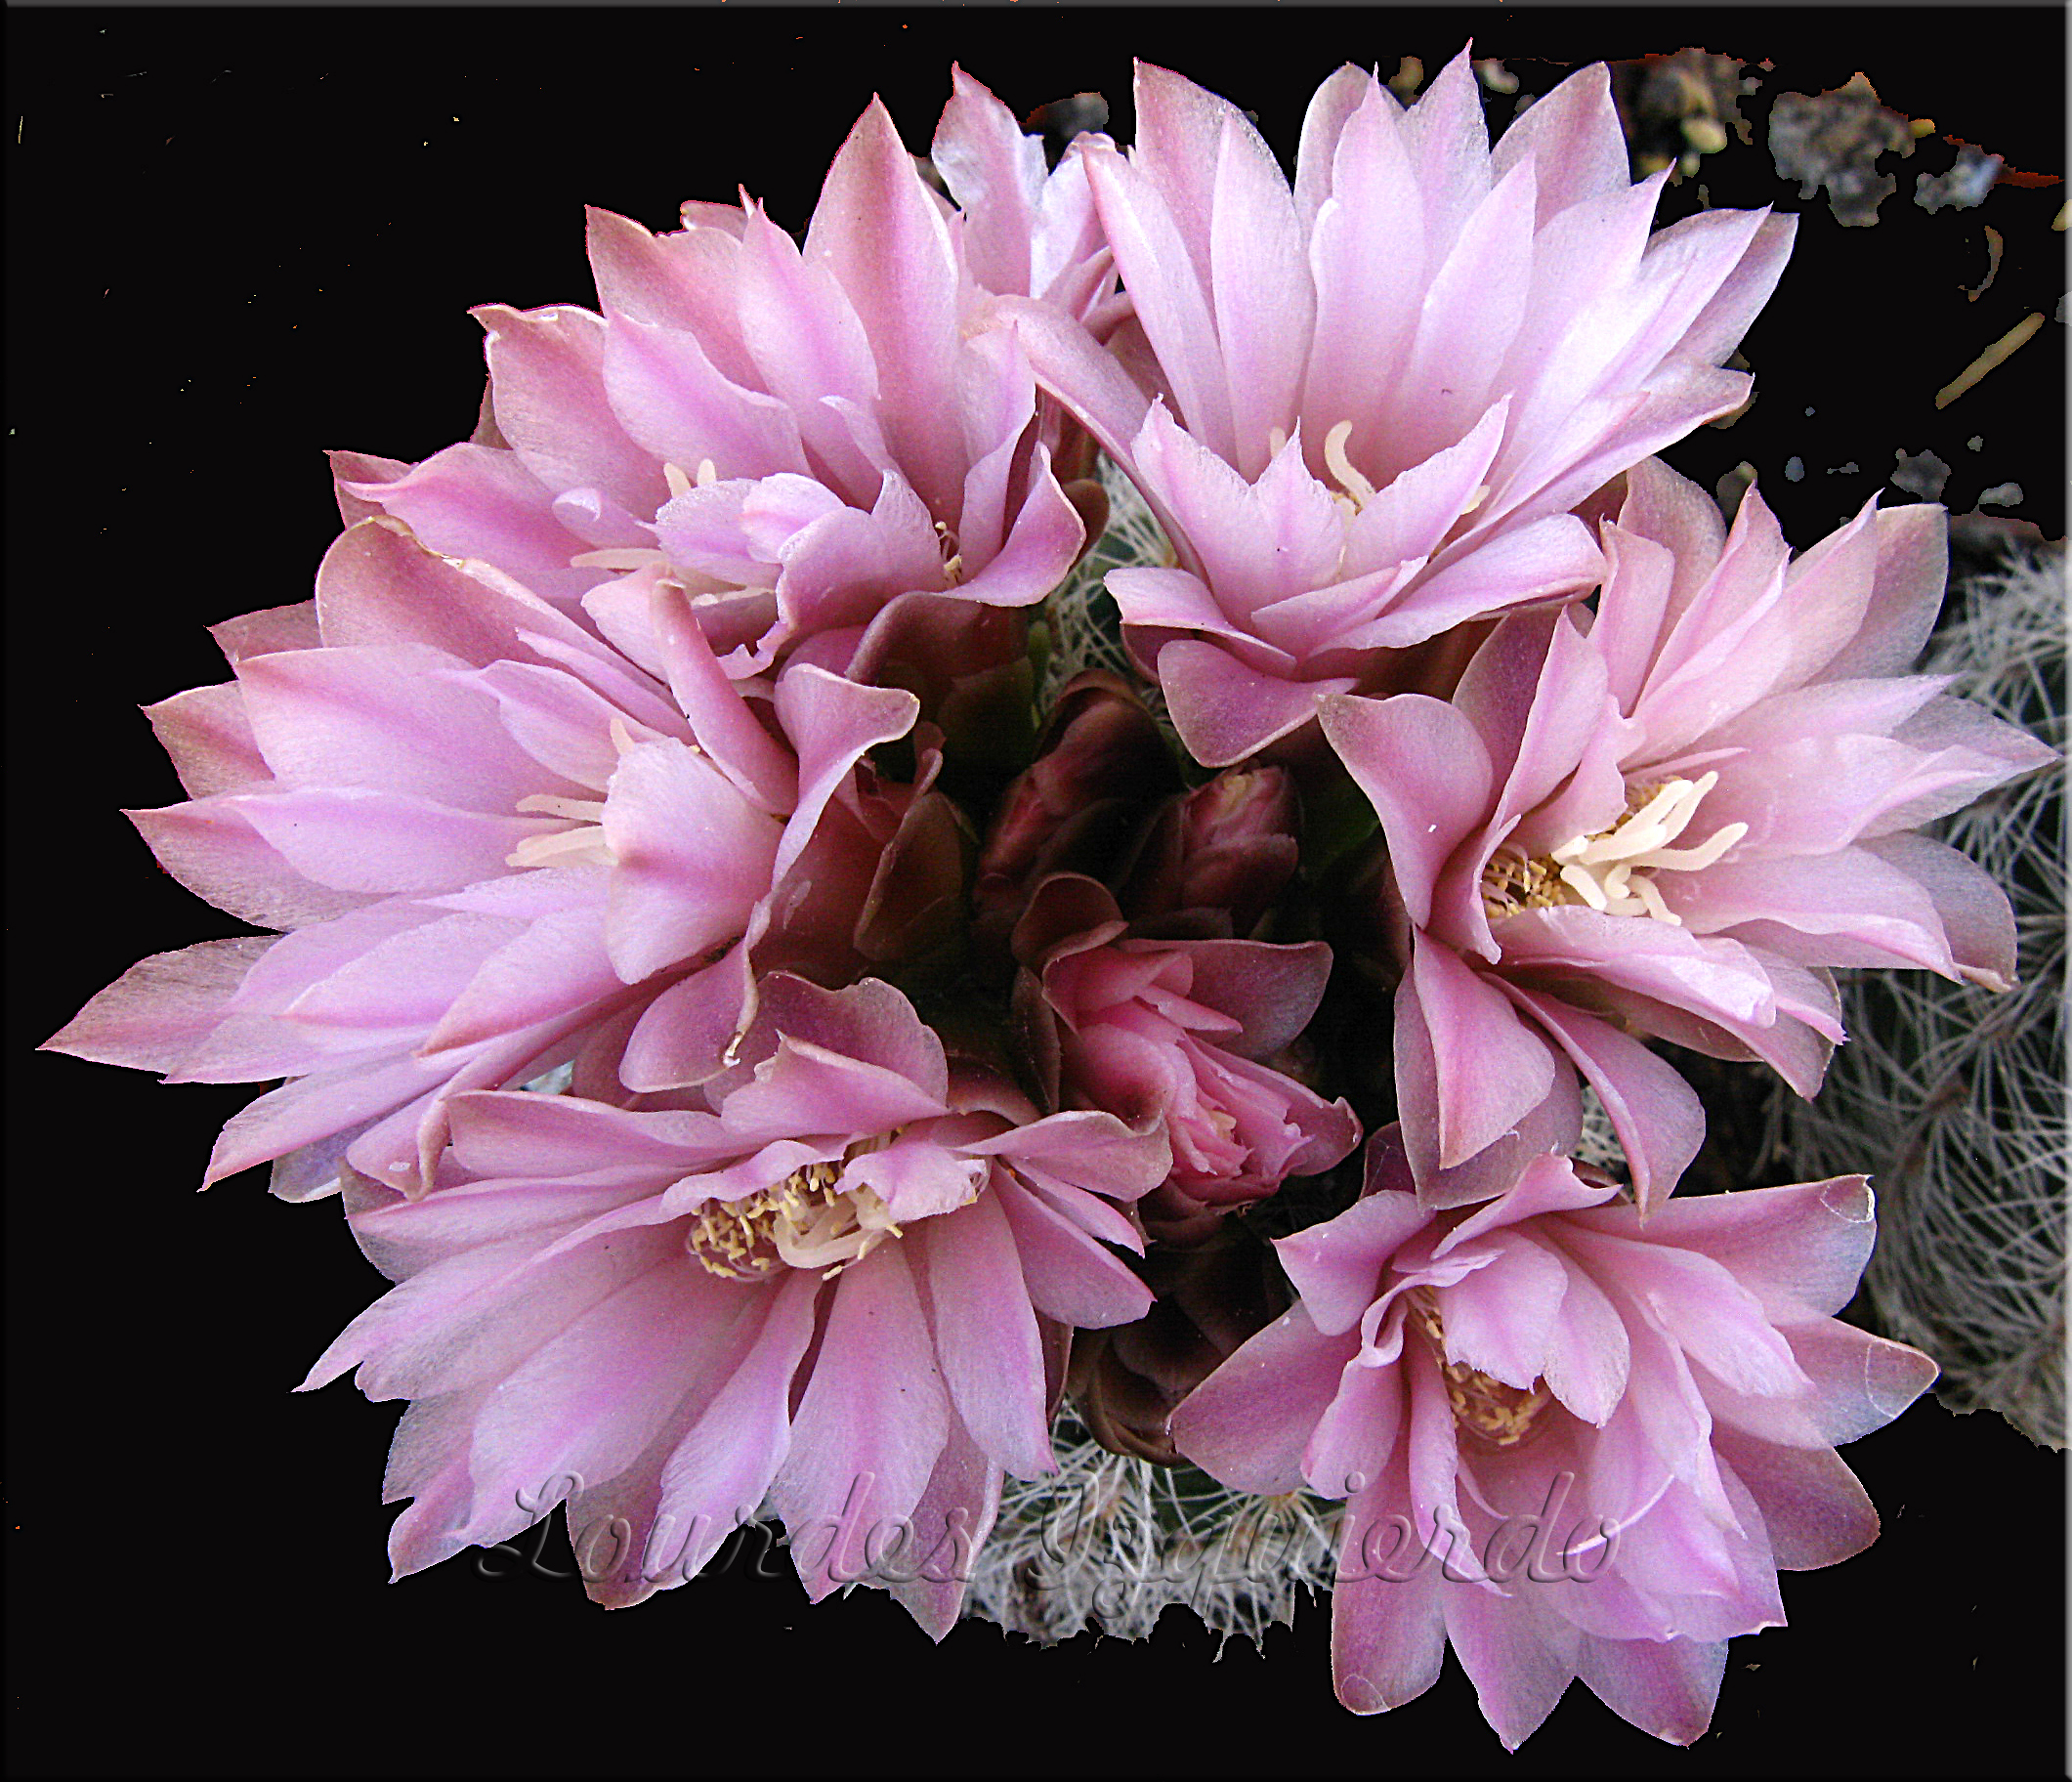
x=1665, y=1687
x=692, y=856
x=581, y=1408
x=1387, y=1621
x=1656, y=1115
x=877, y=228
x=1250, y=1421
x=1488, y=1069
x=717, y=1475
x=1814, y=1511
x=869, y=1428
x=951, y=1522
x=1337, y=1265
x=267, y=631
x=380, y=716
x=210, y=740
x=546, y=377
x=985, y=1337
x=1574, y=139
x=1225, y=712
x=1426, y=774
x=1167, y=287
x=162, y=1006
x=211, y=848
x=680, y=408
x=1519, y=1657
x=1070, y=1276
x=1260, y=288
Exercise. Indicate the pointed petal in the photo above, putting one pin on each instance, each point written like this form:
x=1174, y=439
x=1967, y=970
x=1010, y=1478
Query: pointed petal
x=869, y=1428
x=985, y=1337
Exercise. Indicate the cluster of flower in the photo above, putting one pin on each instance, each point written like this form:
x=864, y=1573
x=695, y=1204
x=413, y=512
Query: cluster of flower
x=747, y=1042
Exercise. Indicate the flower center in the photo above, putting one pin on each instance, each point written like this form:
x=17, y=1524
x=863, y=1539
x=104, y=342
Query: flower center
x=805, y=1221
x=1354, y=491
x=1610, y=870
x=1503, y=1415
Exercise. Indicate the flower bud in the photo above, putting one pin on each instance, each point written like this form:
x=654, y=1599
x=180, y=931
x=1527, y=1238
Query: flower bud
x=1211, y=1299
x=1171, y=1035
x=1099, y=762
x=1229, y=847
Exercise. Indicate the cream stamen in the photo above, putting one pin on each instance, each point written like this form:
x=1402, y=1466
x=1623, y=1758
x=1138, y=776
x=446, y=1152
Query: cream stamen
x=583, y=846
x=584, y=809
x=619, y=557
x=953, y=558
x=1357, y=488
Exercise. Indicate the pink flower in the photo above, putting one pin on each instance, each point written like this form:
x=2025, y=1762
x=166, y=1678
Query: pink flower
x=817, y=444
x=1667, y=819
x=1573, y=1444
x=1364, y=407
x=842, y=1287
x=499, y=844
x=1175, y=1037
x=496, y=780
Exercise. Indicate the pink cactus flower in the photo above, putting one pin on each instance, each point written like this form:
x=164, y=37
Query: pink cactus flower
x=1573, y=1444
x=843, y=1285
x=1364, y=407
x=817, y=444
x=1667, y=819
x=496, y=780
x=1178, y=1038
x=498, y=845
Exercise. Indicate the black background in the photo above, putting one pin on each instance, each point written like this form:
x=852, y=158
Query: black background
x=236, y=238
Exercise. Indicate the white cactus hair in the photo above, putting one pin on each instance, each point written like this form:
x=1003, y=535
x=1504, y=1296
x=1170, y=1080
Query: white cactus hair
x=1953, y=1097
x=1081, y=625
x=1109, y=1543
